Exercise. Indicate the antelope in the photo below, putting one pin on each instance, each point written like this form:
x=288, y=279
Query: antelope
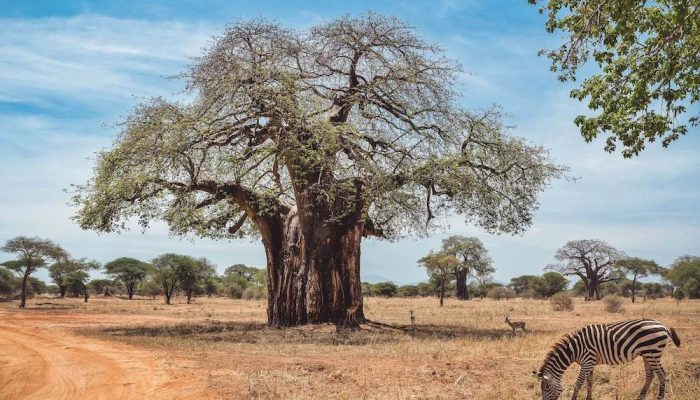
x=515, y=324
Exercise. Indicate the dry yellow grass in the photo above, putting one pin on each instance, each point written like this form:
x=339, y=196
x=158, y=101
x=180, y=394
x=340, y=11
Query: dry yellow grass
x=462, y=350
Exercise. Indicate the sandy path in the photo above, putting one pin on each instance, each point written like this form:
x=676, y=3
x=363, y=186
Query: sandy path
x=40, y=358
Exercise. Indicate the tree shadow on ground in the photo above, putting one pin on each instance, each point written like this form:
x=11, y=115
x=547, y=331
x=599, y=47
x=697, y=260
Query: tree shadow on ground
x=368, y=333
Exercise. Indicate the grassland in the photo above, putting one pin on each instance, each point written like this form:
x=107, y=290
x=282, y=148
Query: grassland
x=462, y=350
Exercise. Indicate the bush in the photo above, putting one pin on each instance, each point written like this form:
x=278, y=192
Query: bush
x=500, y=293
x=562, y=302
x=679, y=294
x=613, y=304
x=253, y=293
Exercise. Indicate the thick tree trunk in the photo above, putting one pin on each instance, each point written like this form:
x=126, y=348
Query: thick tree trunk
x=313, y=270
x=130, y=291
x=23, y=295
x=85, y=291
x=62, y=290
x=461, y=289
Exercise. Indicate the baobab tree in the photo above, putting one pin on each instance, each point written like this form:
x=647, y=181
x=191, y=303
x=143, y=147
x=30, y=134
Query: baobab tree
x=32, y=253
x=474, y=260
x=592, y=260
x=313, y=140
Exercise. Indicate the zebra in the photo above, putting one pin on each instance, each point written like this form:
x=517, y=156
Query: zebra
x=607, y=344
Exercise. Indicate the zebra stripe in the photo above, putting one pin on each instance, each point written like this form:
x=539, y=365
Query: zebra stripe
x=612, y=344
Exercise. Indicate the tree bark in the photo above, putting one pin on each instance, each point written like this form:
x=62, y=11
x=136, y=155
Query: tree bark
x=313, y=270
x=461, y=289
x=85, y=291
x=23, y=295
x=442, y=293
x=130, y=291
x=62, y=290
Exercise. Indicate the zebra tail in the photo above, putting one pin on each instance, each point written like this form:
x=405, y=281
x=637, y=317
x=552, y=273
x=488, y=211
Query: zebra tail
x=674, y=337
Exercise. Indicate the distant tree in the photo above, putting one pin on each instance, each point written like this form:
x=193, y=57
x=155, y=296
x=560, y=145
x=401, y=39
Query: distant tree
x=408, y=291
x=239, y=277
x=385, y=289
x=57, y=273
x=524, y=285
x=550, y=284
x=167, y=270
x=500, y=293
x=440, y=267
x=684, y=274
x=129, y=271
x=32, y=253
x=150, y=287
x=638, y=268
x=594, y=261
x=192, y=274
x=104, y=287
x=8, y=282
x=77, y=275
x=474, y=260
x=648, y=66
x=212, y=285
x=312, y=141
x=36, y=286
x=654, y=290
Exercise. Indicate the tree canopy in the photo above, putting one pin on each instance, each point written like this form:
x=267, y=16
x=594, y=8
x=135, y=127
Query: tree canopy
x=129, y=271
x=474, y=261
x=592, y=260
x=648, y=58
x=684, y=273
x=32, y=253
x=355, y=112
x=638, y=268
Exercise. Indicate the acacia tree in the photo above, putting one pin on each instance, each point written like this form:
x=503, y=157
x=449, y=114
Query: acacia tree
x=638, y=268
x=129, y=271
x=313, y=140
x=440, y=267
x=592, y=260
x=57, y=273
x=32, y=253
x=192, y=275
x=169, y=270
x=647, y=53
x=475, y=260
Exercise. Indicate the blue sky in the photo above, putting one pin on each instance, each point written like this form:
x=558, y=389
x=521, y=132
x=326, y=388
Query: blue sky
x=70, y=70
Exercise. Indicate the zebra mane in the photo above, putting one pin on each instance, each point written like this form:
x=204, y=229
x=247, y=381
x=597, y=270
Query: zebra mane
x=559, y=346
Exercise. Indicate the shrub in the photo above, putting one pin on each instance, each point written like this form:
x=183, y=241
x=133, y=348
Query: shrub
x=249, y=293
x=562, y=302
x=678, y=294
x=613, y=304
x=500, y=293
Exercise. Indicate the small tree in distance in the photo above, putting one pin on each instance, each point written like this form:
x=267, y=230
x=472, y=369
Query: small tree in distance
x=474, y=260
x=32, y=253
x=439, y=267
x=129, y=271
x=638, y=268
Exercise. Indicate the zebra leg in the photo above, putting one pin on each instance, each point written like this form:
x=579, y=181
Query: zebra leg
x=661, y=374
x=589, y=395
x=649, y=376
x=582, y=376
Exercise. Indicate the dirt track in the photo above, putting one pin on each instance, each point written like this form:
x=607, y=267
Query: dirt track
x=41, y=358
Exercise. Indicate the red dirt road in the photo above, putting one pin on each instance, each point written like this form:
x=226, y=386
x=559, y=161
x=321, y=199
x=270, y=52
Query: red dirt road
x=41, y=358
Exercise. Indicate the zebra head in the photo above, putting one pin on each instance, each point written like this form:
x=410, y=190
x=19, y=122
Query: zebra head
x=550, y=384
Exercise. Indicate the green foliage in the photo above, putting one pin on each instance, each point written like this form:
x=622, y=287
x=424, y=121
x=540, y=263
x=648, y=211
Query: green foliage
x=408, y=291
x=679, y=294
x=238, y=277
x=36, y=286
x=684, y=274
x=541, y=287
x=500, y=293
x=562, y=302
x=129, y=271
x=649, y=69
x=8, y=282
x=355, y=118
x=102, y=286
x=382, y=289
